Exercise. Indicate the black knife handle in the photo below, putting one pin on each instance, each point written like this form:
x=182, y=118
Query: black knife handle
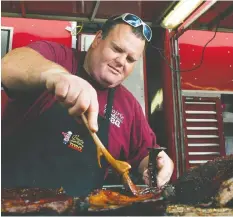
x=152, y=165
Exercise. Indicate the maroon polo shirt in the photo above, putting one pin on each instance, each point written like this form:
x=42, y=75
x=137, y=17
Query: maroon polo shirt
x=129, y=134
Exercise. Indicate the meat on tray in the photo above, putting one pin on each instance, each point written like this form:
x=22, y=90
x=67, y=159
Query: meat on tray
x=32, y=200
x=105, y=199
x=207, y=184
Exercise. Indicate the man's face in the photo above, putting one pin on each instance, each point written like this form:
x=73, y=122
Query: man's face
x=113, y=58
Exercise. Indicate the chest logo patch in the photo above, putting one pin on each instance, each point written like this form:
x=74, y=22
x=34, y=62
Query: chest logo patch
x=116, y=118
x=73, y=141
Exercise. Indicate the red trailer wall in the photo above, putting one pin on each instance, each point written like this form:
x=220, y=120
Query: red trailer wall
x=216, y=70
x=29, y=30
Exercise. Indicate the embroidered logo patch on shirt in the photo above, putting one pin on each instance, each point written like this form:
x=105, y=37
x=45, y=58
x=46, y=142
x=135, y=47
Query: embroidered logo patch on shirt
x=73, y=141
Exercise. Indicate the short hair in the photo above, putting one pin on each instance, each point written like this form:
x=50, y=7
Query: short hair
x=111, y=23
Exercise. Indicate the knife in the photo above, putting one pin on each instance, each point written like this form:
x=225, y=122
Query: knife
x=152, y=165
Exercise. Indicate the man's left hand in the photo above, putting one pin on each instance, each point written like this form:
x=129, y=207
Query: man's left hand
x=165, y=168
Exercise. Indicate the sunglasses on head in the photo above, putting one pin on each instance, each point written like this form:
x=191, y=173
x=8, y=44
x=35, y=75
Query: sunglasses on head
x=136, y=21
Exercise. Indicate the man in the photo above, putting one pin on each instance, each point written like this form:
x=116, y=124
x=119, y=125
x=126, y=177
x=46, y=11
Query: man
x=50, y=86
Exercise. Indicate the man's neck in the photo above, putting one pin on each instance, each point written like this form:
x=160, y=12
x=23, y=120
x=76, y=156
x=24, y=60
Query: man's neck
x=87, y=70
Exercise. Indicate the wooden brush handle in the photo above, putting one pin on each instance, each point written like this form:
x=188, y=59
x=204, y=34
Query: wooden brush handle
x=120, y=166
x=93, y=135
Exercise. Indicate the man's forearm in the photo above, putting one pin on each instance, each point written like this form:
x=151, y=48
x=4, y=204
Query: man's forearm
x=23, y=69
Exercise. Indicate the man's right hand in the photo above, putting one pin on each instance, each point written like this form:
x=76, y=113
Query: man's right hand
x=76, y=94
x=24, y=69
